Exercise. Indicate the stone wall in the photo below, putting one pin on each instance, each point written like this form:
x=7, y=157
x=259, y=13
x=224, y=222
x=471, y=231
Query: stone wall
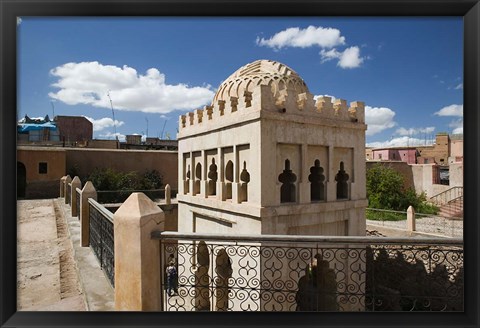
x=42, y=185
x=59, y=161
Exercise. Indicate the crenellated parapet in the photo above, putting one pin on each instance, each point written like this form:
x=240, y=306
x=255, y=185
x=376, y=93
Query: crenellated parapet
x=269, y=86
x=339, y=110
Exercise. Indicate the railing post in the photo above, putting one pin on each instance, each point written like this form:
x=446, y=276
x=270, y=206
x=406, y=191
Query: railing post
x=168, y=191
x=411, y=219
x=76, y=183
x=137, y=256
x=66, y=188
x=62, y=186
x=88, y=191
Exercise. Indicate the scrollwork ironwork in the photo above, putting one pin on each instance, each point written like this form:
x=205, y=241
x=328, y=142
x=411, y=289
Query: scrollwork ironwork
x=312, y=277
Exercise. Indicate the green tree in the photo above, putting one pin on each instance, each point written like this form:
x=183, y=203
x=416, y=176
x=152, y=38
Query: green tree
x=386, y=190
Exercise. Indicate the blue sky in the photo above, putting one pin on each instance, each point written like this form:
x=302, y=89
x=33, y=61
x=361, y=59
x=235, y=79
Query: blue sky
x=408, y=71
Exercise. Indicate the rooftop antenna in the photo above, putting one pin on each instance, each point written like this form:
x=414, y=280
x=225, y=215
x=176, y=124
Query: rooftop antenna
x=163, y=128
x=146, y=119
x=113, y=116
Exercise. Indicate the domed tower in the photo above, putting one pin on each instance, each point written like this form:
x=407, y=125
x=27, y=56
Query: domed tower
x=266, y=158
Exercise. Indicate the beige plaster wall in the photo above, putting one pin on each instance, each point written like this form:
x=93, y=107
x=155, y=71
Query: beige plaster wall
x=42, y=185
x=456, y=174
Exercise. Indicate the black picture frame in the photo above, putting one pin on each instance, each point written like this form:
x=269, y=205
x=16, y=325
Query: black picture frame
x=9, y=10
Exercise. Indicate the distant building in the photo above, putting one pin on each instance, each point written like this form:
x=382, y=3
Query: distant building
x=63, y=130
x=446, y=150
x=368, y=153
x=437, y=153
x=456, y=148
x=37, y=130
x=403, y=154
x=134, y=141
x=74, y=129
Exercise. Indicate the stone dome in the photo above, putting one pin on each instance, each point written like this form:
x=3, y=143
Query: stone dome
x=261, y=72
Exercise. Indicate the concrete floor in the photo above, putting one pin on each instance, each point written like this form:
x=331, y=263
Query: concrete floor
x=53, y=272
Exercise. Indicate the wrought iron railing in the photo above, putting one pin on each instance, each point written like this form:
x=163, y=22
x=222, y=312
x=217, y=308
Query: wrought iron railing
x=308, y=273
x=102, y=238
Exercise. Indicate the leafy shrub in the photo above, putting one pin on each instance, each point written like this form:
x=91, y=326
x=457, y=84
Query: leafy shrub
x=115, y=187
x=386, y=190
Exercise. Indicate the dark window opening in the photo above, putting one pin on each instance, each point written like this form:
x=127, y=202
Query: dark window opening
x=198, y=177
x=288, y=190
x=187, y=181
x=316, y=178
x=42, y=168
x=212, y=176
x=244, y=180
x=342, y=184
x=229, y=180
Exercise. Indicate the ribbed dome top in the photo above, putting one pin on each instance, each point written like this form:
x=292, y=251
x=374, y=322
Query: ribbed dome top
x=261, y=72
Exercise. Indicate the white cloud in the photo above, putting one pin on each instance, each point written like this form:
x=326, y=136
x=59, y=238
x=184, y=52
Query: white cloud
x=456, y=111
x=349, y=58
x=378, y=119
x=91, y=82
x=459, y=87
x=329, y=55
x=457, y=126
x=19, y=21
x=111, y=136
x=414, y=131
x=103, y=123
x=332, y=100
x=401, y=142
x=324, y=37
x=452, y=110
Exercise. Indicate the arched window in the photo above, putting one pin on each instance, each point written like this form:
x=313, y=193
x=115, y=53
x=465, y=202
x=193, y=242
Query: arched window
x=288, y=190
x=316, y=178
x=228, y=180
x=244, y=180
x=212, y=178
x=342, y=183
x=186, y=188
x=198, y=177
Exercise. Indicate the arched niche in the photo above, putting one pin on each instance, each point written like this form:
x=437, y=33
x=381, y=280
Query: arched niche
x=317, y=186
x=212, y=178
x=244, y=180
x=342, y=182
x=288, y=188
x=198, y=177
x=228, y=179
